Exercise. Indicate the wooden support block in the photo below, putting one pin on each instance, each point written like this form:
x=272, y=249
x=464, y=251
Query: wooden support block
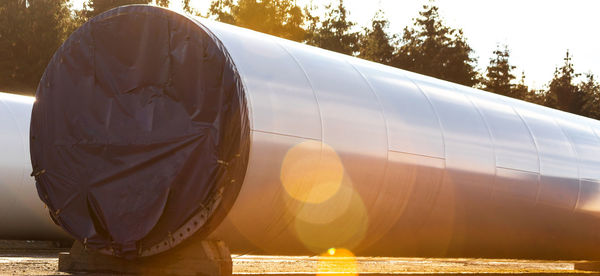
x=190, y=258
x=588, y=266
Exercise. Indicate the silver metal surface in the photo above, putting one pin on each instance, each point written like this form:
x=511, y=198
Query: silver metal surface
x=439, y=169
x=354, y=154
x=22, y=214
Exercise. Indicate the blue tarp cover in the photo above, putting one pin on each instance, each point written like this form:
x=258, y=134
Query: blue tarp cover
x=139, y=120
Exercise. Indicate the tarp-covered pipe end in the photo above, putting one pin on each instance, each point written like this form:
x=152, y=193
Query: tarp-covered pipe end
x=139, y=135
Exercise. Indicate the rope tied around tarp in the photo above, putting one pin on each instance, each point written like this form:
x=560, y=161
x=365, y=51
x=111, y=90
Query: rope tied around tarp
x=37, y=173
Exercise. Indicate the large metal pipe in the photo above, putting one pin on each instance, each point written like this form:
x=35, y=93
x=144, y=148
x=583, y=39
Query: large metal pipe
x=22, y=214
x=336, y=151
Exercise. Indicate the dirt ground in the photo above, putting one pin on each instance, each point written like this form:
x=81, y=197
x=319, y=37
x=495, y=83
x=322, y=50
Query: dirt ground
x=41, y=258
x=45, y=262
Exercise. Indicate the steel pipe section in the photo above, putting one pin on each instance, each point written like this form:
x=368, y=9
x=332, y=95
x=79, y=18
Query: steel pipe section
x=22, y=214
x=343, y=152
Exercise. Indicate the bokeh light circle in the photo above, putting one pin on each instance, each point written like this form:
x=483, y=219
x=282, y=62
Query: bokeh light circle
x=329, y=225
x=311, y=172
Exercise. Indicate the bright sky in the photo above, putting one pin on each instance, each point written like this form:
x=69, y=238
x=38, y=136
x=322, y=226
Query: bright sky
x=537, y=32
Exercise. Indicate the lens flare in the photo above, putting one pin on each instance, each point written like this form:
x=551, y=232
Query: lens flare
x=330, y=209
x=337, y=261
x=311, y=172
x=344, y=227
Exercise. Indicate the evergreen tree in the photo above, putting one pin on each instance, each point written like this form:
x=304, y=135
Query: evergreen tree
x=590, y=90
x=334, y=32
x=222, y=10
x=30, y=33
x=562, y=93
x=281, y=18
x=522, y=92
x=499, y=77
x=536, y=96
x=375, y=44
x=163, y=3
x=95, y=7
x=189, y=9
x=433, y=49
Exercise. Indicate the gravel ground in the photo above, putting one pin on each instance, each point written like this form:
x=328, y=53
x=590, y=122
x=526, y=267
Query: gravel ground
x=29, y=262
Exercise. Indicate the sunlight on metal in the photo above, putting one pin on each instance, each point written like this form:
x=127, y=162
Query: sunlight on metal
x=337, y=261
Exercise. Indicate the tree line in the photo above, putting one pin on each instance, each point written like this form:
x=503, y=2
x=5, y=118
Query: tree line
x=32, y=30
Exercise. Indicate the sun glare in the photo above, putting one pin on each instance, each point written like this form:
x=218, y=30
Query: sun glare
x=337, y=261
